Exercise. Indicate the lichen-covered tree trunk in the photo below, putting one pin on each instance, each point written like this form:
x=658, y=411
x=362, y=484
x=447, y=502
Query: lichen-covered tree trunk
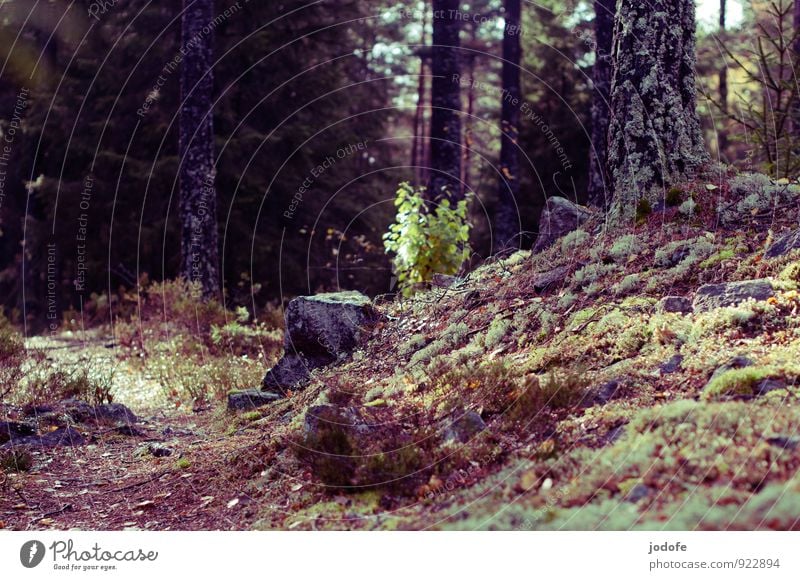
x=599, y=190
x=507, y=224
x=198, y=199
x=654, y=134
x=445, y=139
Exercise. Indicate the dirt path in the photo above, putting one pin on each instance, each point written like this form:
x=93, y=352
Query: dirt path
x=173, y=470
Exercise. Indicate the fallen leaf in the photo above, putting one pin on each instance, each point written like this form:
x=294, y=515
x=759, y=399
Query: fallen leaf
x=145, y=504
x=233, y=502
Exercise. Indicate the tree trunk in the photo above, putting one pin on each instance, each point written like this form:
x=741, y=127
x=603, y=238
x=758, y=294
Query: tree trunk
x=722, y=139
x=198, y=201
x=418, y=139
x=599, y=192
x=445, y=102
x=654, y=134
x=507, y=222
x=796, y=50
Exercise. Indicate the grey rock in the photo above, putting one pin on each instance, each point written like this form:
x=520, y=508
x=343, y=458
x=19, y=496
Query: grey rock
x=443, y=280
x=114, y=413
x=737, y=362
x=639, y=492
x=601, y=394
x=560, y=216
x=250, y=399
x=672, y=365
x=713, y=296
x=290, y=372
x=159, y=450
x=784, y=245
x=464, y=427
x=614, y=434
x=61, y=437
x=544, y=280
x=788, y=443
x=677, y=304
x=11, y=430
x=320, y=330
x=769, y=385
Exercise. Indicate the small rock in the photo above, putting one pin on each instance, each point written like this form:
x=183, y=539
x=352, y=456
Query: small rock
x=769, y=385
x=711, y=296
x=737, y=362
x=601, y=395
x=559, y=217
x=464, y=427
x=639, y=492
x=61, y=437
x=159, y=450
x=789, y=443
x=128, y=431
x=677, y=304
x=10, y=430
x=115, y=413
x=443, y=280
x=784, y=245
x=614, y=434
x=672, y=365
x=251, y=399
x=544, y=280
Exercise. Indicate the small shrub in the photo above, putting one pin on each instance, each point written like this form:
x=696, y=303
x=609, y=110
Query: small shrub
x=426, y=241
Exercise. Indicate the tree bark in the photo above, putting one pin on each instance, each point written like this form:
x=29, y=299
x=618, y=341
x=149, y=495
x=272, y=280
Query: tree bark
x=418, y=139
x=507, y=221
x=654, y=134
x=722, y=138
x=445, y=148
x=599, y=191
x=796, y=50
x=198, y=200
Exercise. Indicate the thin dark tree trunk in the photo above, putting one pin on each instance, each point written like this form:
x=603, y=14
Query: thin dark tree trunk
x=507, y=222
x=654, y=134
x=445, y=148
x=600, y=193
x=418, y=140
x=198, y=200
x=796, y=50
x=722, y=139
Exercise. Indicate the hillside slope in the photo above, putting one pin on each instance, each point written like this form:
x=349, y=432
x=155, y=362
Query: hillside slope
x=644, y=378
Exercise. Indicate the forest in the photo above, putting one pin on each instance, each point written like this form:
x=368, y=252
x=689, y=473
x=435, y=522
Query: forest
x=438, y=264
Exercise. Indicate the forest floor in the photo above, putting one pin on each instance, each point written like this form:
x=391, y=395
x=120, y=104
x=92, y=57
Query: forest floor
x=639, y=379
x=115, y=482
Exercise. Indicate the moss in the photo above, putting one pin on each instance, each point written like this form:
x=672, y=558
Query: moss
x=624, y=247
x=742, y=382
x=183, y=463
x=674, y=196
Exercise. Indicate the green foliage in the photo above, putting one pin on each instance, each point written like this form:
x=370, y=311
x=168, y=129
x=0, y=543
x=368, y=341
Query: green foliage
x=674, y=196
x=426, y=241
x=574, y=240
